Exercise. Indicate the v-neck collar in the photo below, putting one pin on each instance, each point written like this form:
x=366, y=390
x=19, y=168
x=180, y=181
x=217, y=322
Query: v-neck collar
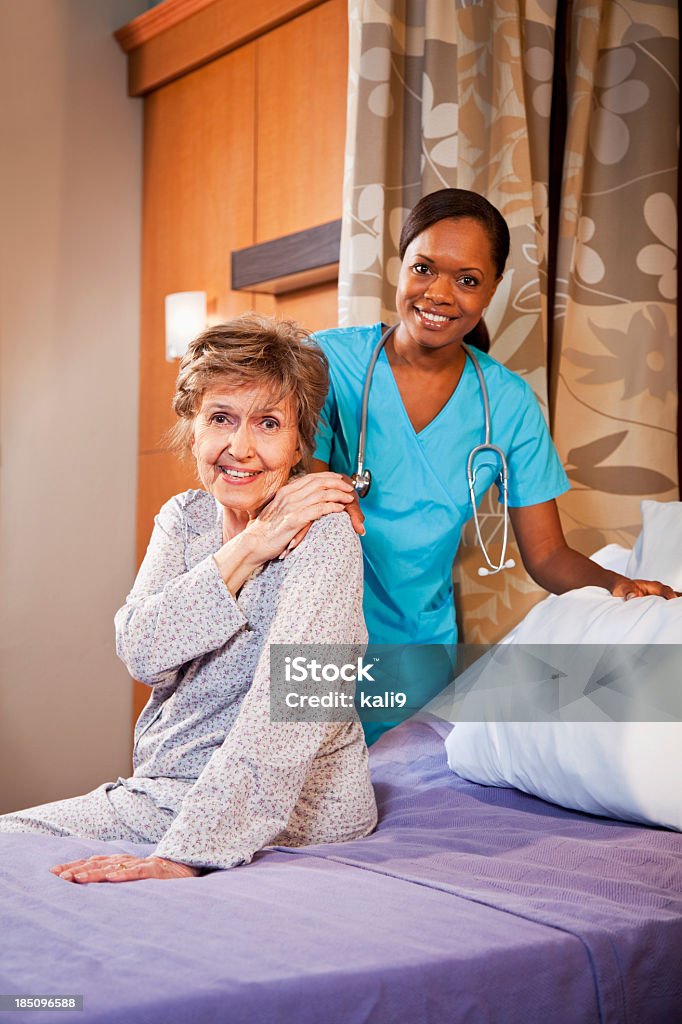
x=420, y=434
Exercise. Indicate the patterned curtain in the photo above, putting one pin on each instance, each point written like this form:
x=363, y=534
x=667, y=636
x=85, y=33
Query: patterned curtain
x=460, y=93
x=614, y=366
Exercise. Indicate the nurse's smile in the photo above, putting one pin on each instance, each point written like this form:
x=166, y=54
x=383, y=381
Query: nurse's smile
x=432, y=320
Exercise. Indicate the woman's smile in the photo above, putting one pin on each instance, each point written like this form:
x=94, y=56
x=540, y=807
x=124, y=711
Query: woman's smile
x=234, y=475
x=432, y=319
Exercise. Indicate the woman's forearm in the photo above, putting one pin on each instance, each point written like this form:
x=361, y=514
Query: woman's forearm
x=148, y=639
x=237, y=560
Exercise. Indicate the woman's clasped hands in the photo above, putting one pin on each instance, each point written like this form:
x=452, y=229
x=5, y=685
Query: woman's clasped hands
x=283, y=523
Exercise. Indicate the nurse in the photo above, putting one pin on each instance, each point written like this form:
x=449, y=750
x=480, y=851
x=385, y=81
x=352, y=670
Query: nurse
x=426, y=413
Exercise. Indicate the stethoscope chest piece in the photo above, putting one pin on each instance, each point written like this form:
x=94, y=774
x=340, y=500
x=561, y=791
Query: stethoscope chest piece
x=362, y=481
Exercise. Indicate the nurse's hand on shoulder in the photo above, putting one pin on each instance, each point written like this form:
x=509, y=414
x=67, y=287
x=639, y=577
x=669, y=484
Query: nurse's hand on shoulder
x=627, y=588
x=121, y=868
x=354, y=510
x=286, y=519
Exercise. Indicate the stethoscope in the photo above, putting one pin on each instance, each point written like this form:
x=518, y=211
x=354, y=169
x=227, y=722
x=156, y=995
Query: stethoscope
x=362, y=478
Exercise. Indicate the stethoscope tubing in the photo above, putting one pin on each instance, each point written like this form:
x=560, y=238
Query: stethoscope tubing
x=362, y=478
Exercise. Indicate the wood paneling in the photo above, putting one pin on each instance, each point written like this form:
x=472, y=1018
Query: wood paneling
x=198, y=207
x=301, y=117
x=156, y=20
x=183, y=35
x=303, y=279
x=314, y=308
x=140, y=698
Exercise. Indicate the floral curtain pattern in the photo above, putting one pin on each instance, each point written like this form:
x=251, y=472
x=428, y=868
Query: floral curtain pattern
x=614, y=367
x=437, y=98
x=459, y=93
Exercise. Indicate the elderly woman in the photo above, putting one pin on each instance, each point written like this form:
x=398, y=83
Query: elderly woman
x=214, y=778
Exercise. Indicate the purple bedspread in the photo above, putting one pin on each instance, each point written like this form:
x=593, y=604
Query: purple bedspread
x=468, y=904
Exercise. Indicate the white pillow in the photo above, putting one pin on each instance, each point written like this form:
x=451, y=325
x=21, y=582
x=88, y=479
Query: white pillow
x=657, y=554
x=614, y=557
x=623, y=769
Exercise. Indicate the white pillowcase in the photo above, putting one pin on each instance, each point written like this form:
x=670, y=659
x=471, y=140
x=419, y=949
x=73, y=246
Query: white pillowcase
x=623, y=769
x=614, y=557
x=657, y=554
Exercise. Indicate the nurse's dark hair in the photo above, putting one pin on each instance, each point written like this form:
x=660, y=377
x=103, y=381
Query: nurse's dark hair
x=457, y=204
x=256, y=351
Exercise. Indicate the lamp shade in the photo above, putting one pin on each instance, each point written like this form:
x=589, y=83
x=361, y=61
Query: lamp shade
x=185, y=318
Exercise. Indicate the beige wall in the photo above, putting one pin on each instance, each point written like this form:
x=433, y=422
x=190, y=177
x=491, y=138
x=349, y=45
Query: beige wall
x=70, y=197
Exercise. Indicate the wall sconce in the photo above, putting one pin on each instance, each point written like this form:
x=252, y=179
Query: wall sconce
x=185, y=318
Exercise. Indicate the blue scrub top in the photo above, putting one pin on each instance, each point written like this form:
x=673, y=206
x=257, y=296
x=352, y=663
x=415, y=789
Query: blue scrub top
x=419, y=499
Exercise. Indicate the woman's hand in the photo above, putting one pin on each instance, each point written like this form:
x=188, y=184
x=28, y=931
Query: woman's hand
x=121, y=868
x=286, y=519
x=627, y=588
x=357, y=516
x=284, y=522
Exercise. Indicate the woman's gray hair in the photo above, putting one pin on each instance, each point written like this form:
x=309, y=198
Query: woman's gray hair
x=253, y=350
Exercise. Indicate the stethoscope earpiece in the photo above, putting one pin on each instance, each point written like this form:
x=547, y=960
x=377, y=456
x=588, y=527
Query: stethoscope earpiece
x=509, y=564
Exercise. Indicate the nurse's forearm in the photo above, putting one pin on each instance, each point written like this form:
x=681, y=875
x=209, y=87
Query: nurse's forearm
x=354, y=510
x=566, y=569
x=547, y=557
x=558, y=568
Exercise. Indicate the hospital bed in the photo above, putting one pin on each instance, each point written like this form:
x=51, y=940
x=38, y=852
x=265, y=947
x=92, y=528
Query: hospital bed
x=468, y=904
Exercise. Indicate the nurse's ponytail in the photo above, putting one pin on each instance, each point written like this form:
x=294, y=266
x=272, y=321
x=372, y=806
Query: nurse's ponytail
x=479, y=337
